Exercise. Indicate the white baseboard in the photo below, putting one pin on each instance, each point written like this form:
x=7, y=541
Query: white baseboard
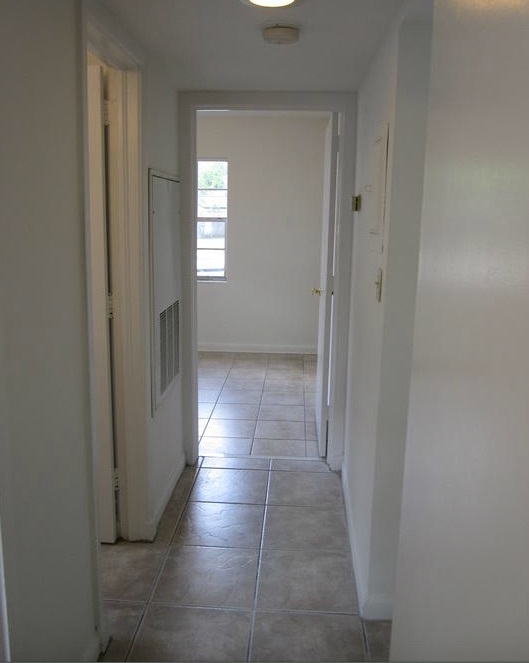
x=371, y=606
x=152, y=525
x=257, y=347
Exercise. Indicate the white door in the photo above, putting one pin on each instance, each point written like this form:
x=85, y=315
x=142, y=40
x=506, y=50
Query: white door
x=325, y=289
x=101, y=383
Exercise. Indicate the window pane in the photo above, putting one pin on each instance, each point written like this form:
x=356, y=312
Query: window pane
x=212, y=203
x=210, y=263
x=212, y=174
x=211, y=235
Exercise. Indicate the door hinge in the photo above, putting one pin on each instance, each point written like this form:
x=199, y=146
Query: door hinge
x=110, y=306
x=357, y=203
x=106, y=112
x=115, y=480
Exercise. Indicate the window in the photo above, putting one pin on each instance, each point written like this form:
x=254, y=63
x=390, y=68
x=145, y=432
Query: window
x=212, y=214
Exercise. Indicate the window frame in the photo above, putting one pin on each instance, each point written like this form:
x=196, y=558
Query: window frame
x=198, y=219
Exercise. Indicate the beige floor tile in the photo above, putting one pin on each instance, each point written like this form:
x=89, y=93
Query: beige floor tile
x=280, y=430
x=232, y=486
x=312, y=449
x=235, y=411
x=310, y=430
x=192, y=634
x=306, y=637
x=128, y=570
x=300, y=465
x=283, y=397
x=220, y=525
x=282, y=413
x=305, y=489
x=225, y=446
x=205, y=410
x=306, y=580
x=120, y=620
x=252, y=397
x=230, y=428
x=208, y=577
x=251, y=384
x=208, y=395
x=304, y=528
x=281, y=448
x=232, y=463
x=378, y=636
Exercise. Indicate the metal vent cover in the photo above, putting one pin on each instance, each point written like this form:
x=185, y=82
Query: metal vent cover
x=169, y=345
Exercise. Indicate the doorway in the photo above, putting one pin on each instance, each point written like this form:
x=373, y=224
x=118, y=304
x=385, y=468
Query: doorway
x=341, y=106
x=261, y=181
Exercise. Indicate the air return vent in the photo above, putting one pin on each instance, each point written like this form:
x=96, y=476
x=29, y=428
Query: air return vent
x=169, y=345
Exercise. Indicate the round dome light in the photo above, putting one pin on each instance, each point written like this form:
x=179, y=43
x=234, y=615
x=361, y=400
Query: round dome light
x=281, y=34
x=271, y=3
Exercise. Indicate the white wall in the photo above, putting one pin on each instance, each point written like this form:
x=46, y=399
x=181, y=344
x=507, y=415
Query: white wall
x=165, y=447
x=46, y=496
x=375, y=100
x=394, y=92
x=462, y=577
x=274, y=233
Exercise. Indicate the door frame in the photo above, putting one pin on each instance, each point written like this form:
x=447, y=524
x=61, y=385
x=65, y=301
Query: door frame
x=103, y=37
x=326, y=283
x=98, y=270
x=342, y=103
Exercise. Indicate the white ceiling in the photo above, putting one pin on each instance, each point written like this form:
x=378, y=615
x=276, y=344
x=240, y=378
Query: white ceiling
x=217, y=44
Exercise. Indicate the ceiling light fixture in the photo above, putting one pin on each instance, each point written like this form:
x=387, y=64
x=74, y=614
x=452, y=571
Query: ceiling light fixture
x=272, y=3
x=281, y=34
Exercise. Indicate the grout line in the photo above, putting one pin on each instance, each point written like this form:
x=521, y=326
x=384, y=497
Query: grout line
x=216, y=400
x=259, y=558
x=162, y=565
x=260, y=404
x=365, y=641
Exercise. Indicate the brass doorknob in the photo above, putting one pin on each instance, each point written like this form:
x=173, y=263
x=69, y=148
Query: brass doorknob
x=317, y=291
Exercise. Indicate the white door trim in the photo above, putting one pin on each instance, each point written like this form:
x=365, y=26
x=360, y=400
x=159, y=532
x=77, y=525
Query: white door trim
x=326, y=284
x=97, y=268
x=345, y=105
x=105, y=38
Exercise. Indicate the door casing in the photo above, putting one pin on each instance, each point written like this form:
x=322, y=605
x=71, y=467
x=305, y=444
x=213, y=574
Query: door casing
x=344, y=104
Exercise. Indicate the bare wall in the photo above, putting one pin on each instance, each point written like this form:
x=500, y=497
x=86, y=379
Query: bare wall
x=46, y=494
x=462, y=573
x=274, y=233
x=395, y=91
x=165, y=449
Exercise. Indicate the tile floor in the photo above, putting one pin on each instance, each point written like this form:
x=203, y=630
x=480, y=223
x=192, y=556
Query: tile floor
x=251, y=561
x=257, y=405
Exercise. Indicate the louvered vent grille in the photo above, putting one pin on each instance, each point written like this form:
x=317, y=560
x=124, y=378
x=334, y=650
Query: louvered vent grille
x=169, y=345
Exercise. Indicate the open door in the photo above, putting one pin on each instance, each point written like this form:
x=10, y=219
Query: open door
x=325, y=290
x=100, y=318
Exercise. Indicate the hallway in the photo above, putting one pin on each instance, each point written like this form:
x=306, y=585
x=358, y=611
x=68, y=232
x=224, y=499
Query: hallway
x=251, y=563
x=252, y=560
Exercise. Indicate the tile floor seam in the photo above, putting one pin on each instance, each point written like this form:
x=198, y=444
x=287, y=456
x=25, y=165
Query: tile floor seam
x=259, y=408
x=259, y=558
x=201, y=435
x=164, y=558
x=197, y=606
x=291, y=611
x=365, y=641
